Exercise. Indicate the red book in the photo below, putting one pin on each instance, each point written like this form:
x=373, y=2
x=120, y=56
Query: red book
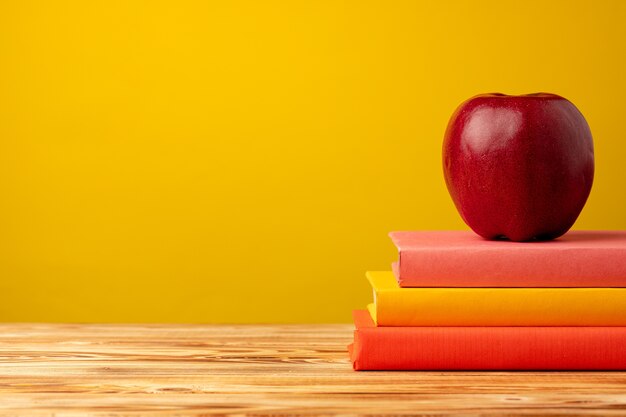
x=464, y=259
x=485, y=348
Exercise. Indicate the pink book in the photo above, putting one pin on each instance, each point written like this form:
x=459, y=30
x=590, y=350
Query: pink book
x=464, y=259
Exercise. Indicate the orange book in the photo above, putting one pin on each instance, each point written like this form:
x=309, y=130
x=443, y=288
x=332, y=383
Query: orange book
x=485, y=348
x=396, y=306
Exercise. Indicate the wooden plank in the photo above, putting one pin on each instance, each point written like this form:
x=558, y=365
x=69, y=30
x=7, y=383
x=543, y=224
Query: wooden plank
x=191, y=370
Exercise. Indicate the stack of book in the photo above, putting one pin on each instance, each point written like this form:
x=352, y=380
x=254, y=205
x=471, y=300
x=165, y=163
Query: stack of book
x=454, y=301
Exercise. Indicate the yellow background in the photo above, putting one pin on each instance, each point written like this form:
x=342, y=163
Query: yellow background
x=243, y=161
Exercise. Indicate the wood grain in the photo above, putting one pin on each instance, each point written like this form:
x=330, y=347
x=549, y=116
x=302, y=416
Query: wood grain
x=254, y=370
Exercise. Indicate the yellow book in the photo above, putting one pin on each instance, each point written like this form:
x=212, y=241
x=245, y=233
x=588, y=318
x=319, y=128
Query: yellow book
x=395, y=306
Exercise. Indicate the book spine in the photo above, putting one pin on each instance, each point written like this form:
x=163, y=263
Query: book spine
x=489, y=348
x=501, y=307
x=510, y=267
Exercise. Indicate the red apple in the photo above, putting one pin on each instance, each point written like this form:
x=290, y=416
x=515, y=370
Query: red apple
x=518, y=167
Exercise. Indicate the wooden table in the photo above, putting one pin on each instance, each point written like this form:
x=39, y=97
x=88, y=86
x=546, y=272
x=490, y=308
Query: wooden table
x=114, y=370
